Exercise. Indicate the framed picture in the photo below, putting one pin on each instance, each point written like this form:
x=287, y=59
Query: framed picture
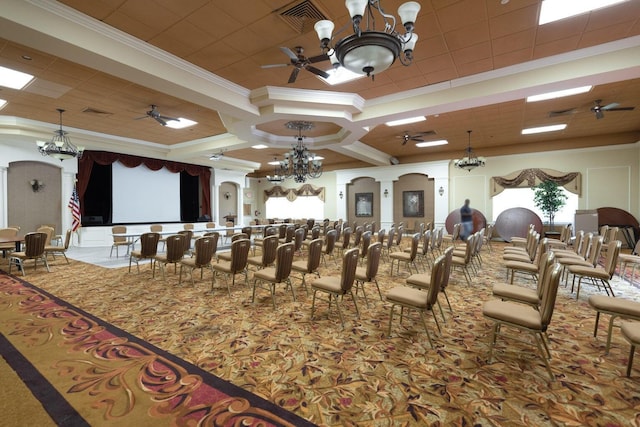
x=364, y=204
x=413, y=203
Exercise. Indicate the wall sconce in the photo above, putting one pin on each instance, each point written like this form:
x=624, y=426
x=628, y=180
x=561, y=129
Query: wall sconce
x=340, y=194
x=441, y=190
x=36, y=185
x=386, y=193
x=227, y=195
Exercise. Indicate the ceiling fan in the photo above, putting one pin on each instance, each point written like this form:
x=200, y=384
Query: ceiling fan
x=299, y=61
x=599, y=109
x=417, y=137
x=155, y=114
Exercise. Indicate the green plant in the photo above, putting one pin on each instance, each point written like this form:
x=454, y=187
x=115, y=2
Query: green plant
x=549, y=198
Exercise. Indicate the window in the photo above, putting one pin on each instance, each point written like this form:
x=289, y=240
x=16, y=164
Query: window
x=301, y=207
x=523, y=198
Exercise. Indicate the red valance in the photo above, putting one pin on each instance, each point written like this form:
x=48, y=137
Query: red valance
x=85, y=165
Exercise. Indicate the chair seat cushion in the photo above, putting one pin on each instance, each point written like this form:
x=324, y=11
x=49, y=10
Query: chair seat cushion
x=631, y=331
x=595, y=272
x=136, y=254
x=226, y=256
x=408, y=296
x=518, y=258
x=299, y=265
x=629, y=259
x=223, y=266
x=422, y=280
x=621, y=306
x=330, y=284
x=266, y=274
x=513, y=292
x=519, y=265
x=361, y=274
x=513, y=313
x=401, y=256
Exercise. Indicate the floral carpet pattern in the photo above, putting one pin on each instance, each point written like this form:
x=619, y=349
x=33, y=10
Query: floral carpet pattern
x=358, y=376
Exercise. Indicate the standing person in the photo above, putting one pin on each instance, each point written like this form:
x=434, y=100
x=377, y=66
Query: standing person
x=466, y=220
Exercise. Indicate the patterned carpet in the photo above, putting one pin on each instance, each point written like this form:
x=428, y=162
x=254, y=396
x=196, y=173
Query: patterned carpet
x=358, y=376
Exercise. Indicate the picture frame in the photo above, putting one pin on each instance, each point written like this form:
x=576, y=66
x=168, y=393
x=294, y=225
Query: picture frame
x=364, y=204
x=413, y=203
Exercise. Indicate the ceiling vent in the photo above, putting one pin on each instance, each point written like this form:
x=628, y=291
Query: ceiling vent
x=302, y=16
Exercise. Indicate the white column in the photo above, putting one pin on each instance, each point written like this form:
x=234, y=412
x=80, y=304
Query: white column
x=67, y=182
x=441, y=203
x=4, y=202
x=386, y=204
x=341, y=203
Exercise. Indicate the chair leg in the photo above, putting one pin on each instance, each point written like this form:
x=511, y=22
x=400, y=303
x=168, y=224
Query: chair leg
x=609, y=333
x=424, y=322
x=630, y=364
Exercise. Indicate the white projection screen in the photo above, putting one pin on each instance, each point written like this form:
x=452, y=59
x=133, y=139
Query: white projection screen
x=143, y=195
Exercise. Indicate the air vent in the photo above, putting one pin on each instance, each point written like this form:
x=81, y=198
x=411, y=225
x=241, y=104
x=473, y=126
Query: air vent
x=302, y=16
x=90, y=110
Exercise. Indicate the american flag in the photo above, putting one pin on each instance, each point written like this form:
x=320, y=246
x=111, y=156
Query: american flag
x=74, y=205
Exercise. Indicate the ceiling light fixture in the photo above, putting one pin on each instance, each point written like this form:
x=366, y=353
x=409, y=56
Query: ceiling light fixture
x=14, y=79
x=369, y=51
x=558, y=93
x=470, y=160
x=554, y=10
x=180, y=123
x=541, y=129
x=432, y=143
x=299, y=163
x=406, y=121
x=60, y=146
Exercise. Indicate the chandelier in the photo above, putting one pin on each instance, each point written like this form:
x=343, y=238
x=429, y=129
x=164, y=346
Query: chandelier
x=470, y=160
x=299, y=163
x=370, y=51
x=60, y=146
x=276, y=178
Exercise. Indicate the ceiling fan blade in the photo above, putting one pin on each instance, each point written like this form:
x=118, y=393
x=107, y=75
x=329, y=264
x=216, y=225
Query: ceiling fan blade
x=165, y=118
x=289, y=53
x=562, y=112
x=621, y=109
x=317, y=72
x=159, y=120
x=318, y=58
x=610, y=106
x=417, y=139
x=274, y=65
x=143, y=117
x=294, y=75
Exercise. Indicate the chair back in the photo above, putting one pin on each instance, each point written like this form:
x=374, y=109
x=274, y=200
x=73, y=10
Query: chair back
x=610, y=262
x=300, y=234
x=289, y=233
x=35, y=243
x=381, y=233
x=282, y=231
x=175, y=247
x=391, y=237
x=246, y=230
x=365, y=241
x=239, y=254
x=357, y=236
x=346, y=237
x=349, y=265
x=426, y=242
x=284, y=259
x=612, y=234
x=549, y=294
x=437, y=272
x=373, y=260
x=155, y=228
x=446, y=272
x=399, y=235
x=471, y=244
x=269, y=246
x=238, y=236
x=48, y=230
x=415, y=240
x=188, y=227
x=67, y=239
x=230, y=230
x=149, y=244
x=119, y=229
x=205, y=248
x=188, y=235
x=595, y=247
x=13, y=232
x=270, y=230
x=584, y=245
x=211, y=225
x=315, y=253
x=545, y=263
x=330, y=241
x=315, y=232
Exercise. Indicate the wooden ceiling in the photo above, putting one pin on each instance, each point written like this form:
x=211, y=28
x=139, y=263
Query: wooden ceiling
x=475, y=62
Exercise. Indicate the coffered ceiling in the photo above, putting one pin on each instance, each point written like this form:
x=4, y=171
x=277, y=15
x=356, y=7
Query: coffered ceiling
x=105, y=62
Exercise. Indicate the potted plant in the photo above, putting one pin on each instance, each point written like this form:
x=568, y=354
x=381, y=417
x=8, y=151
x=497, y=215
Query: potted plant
x=549, y=198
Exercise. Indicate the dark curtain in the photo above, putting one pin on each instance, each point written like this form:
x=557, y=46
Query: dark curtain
x=85, y=165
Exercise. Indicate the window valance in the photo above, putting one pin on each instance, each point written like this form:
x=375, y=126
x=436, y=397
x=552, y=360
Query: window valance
x=292, y=193
x=524, y=178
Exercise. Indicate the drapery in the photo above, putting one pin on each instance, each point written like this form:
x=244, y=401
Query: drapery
x=524, y=178
x=85, y=165
x=292, y=193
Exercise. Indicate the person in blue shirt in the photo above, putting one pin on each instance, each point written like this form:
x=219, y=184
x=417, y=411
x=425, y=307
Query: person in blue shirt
x=466, y=220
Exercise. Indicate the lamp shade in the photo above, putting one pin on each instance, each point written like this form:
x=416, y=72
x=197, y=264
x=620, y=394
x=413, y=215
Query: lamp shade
x=408, y=12
x=371, y=53
x=356, y=7
x=324, y=29
x=411, y=44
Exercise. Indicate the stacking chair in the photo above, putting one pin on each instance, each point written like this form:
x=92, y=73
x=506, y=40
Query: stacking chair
x=409, y=258
x=315, y=234
x=488, y=236
x=463, y=263
x=338, y=286
x=268, y=256
x=230, y=231
x=386, y=249
x=524, y=294
x=328, y=248
x=423, y=280
x=9, y=232
x=365, y=241
x=119, y=241
x=596, y=274
x=527, y=319
x=357, y=236
x=451, y=239
x=416, y=299
x=525, y=266
x=49, y=231
x=57, y=238
x=271, y=276
x=34, y=249
x=204, y=250
x=173, y=254
x=368, y=274
x=298, y=238
x=614, y=307
x=289, y=234
x=381, y=235
x=188, y=235
x=424, y=247
x=237, y=264
x=591, y=259
x=345, y=243
x=522, y=241
x=148, y=249
x=57, y=249
x=310, y=266
x=268, y=230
